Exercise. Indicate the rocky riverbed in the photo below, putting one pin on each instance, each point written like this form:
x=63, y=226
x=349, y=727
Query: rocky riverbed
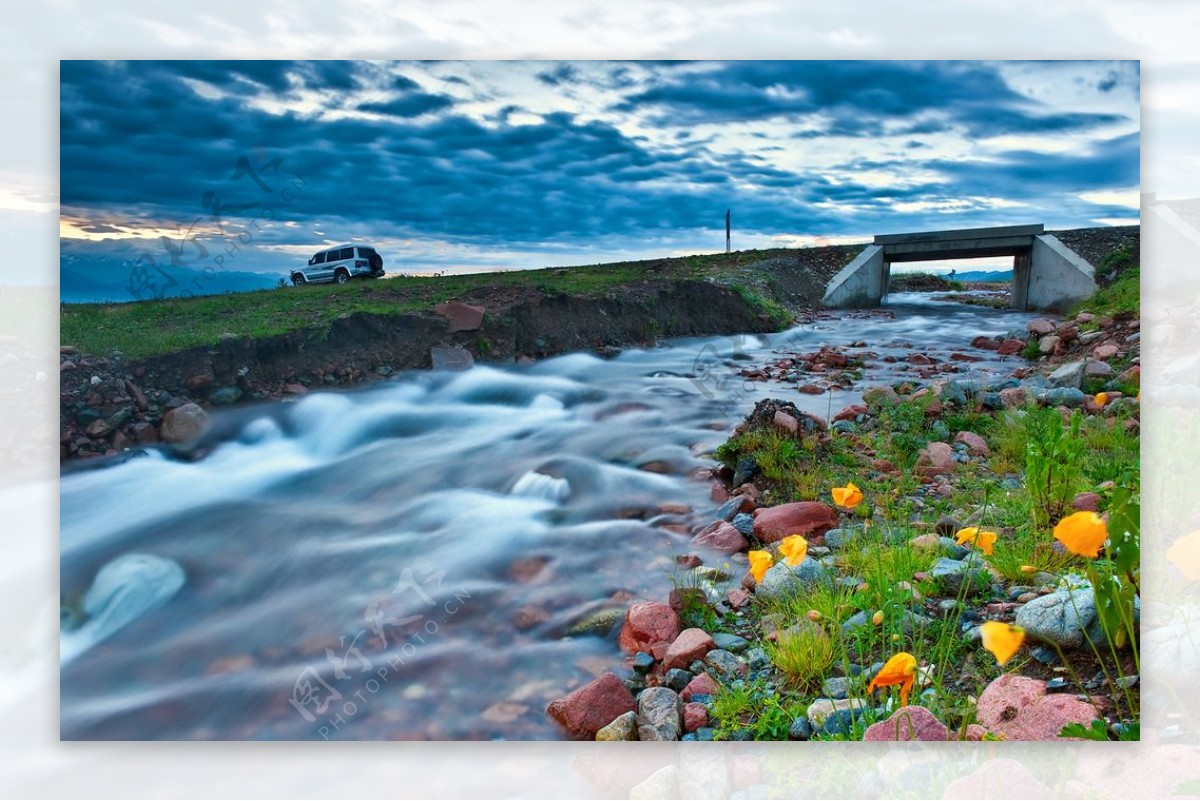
x=710, y=661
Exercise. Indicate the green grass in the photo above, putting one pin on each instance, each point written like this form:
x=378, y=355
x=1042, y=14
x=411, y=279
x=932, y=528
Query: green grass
x=1123, y=295
x=754, y=706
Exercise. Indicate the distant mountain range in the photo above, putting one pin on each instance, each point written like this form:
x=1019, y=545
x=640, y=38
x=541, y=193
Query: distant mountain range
x=983, y=275
x=107, y=279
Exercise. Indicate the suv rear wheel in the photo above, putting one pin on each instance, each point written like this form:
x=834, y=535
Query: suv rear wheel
x=341, y=276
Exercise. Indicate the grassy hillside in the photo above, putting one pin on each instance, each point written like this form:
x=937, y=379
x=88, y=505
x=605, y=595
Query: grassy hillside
x=153, y=327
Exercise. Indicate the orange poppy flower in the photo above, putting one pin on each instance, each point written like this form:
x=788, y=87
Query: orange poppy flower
x=983, y=540
x=848, y=496
x=1082, y=533
x=1002, y=639
x=900, y=670
x=794, y=548
x=760, y=563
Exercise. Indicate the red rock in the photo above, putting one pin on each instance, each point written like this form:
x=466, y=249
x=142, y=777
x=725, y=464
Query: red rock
x=851, y=412
x=810, y=389
x=721, y=536
x=1133, y=374
x=694, y=716
x=906, y=724
x=646, y=624
x=718, y=493
x=690, y=645
x=526, y=617
x=1040, y=327
x=703, y=684
x=688, y=560
x=805, y=518
x=786, y=422
x=1086, y=502
x=139, y=399
x=592, y=707
x=1104, y=351
x=1010, y=346
x=527, y=568
x=936, y=458
x=975, y=443
x=1013, y=397
x=985, y=343
x=883, y=466
x=462, y=316
x=737, y=598
x=200, y=380
x=1019, y=708
x=919, y=358
x=963, y=357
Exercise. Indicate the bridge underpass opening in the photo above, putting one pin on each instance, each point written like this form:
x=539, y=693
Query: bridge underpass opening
x=1047, y=275
x=990, y=273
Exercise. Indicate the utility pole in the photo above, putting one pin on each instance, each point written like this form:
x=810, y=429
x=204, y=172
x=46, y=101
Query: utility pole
x=727, y=230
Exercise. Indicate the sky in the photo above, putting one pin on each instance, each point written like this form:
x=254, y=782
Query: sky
x=464, y=166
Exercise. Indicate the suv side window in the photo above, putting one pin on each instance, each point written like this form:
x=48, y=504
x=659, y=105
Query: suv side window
x=346, y=253
x=319, y=258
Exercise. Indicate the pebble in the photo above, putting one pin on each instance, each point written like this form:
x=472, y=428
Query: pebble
x=643, y=662
x=623, y=728
x=800, y=729
x=953, y=574
x=730, y=642
x=836, y=687
x=840, y=537
x=724, y=664
x=842, y=721
x=677, y=679
x=757, y=658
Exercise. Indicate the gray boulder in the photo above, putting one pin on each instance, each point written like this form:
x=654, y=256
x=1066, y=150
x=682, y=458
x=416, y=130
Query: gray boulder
x=659, y=714
x=782, y=580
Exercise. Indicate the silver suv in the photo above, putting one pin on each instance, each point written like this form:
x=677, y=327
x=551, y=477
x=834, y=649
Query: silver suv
x=340, y=264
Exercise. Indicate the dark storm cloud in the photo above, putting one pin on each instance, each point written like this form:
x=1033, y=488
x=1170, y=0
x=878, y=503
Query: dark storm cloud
x=409, y=105
x=860, y=98
x=137, y=141
x=560, y=74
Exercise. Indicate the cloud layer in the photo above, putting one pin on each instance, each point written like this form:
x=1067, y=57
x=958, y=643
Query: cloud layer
x=508, y=164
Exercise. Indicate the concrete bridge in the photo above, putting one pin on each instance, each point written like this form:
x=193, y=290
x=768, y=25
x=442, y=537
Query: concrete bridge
x=1047, y=275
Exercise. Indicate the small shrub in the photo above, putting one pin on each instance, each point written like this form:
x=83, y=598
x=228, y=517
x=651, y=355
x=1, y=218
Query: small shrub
x=803, y=655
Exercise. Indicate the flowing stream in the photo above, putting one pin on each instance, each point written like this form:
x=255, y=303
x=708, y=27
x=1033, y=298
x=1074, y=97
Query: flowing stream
x=413, y=560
